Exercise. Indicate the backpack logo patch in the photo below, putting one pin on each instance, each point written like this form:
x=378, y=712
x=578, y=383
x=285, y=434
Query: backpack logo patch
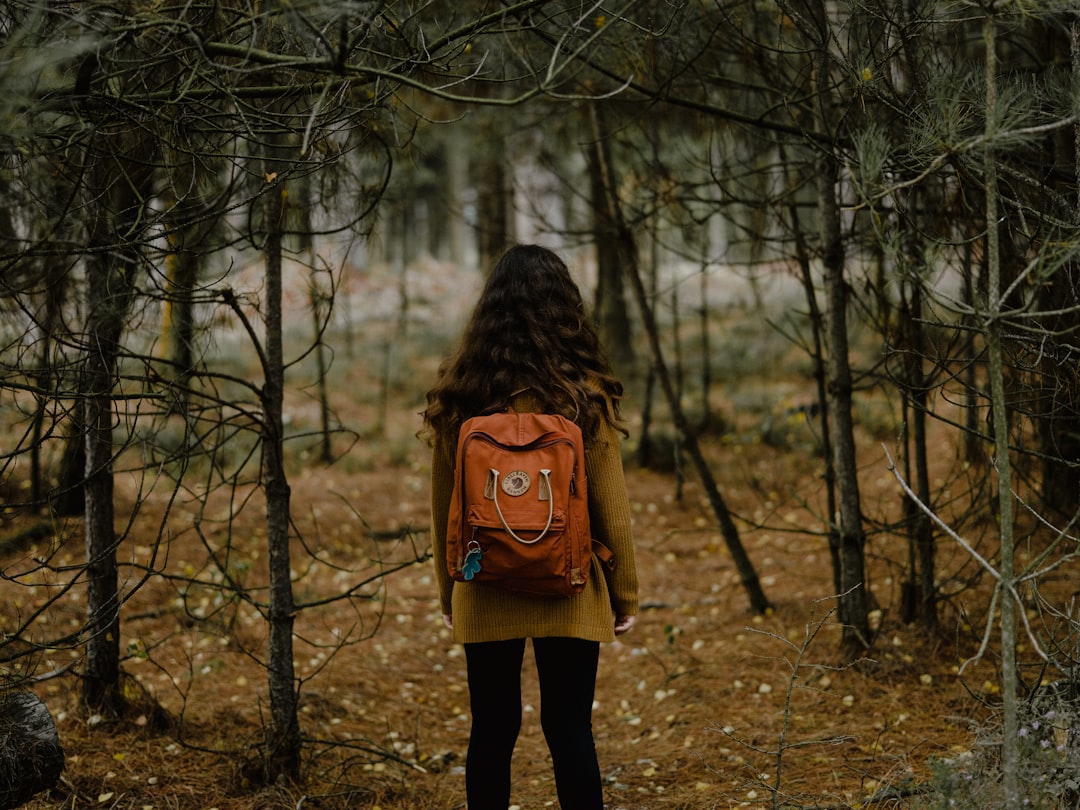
x=516, y=483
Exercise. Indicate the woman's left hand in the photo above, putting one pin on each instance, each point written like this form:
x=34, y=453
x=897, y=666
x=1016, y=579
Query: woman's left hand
x=624, y=623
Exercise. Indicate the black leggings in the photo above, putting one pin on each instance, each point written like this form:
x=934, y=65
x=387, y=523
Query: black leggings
x=567, y=672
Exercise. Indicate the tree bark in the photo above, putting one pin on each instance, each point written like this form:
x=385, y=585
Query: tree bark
x=321, y=303
x=110, y=288
x=821, y=385
x=457, y=173
x=921, y=533
x=609, y=308
x=494, y=229
x=178, y=315
x=101, y=676
x=283, y=734
x=1059, y=429
x=1010, y=748
x=849, y=535
x=853, y=611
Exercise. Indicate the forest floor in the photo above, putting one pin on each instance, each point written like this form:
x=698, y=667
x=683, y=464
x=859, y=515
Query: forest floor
x=702, y=705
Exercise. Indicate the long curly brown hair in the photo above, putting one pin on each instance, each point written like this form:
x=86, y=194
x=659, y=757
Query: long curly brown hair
x=529, y=330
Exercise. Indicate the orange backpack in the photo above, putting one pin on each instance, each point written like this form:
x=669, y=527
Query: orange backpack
x=519, y=514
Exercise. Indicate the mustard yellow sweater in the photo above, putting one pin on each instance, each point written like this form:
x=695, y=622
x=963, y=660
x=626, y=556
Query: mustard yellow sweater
x=483, y=612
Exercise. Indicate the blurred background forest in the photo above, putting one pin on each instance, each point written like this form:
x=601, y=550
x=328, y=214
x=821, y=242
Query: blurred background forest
x=237, y=238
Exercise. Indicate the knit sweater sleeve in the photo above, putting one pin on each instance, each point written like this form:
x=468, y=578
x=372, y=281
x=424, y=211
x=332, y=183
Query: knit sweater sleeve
x=609, y=517
x=442, y=486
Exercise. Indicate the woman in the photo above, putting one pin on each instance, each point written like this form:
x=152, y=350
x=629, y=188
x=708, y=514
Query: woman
x=529, y=346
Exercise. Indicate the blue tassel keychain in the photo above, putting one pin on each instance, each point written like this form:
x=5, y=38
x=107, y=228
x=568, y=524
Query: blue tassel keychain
x=471, y=566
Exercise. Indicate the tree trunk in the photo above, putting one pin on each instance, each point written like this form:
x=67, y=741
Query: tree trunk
x=1059, y=429
x=178, y=310
x=973, y=442
x=680, y=387
x=111, y=270
x=924, y=531
x=705, y=423
x=921, y=535
x=493, y=199
x=101, y=677
x=68, y=498
x=821, y=386
x=321, y=307
x=50, y=323
x=853, y=611
x=283, y=733
x=645, y=450
x=759, y=603
x=629, y=262
x=319, y=316
x=1010, y=749
x=457, y=179
x=610, y=308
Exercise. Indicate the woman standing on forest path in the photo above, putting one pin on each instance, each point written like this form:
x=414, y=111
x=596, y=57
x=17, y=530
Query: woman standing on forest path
x=529, y=346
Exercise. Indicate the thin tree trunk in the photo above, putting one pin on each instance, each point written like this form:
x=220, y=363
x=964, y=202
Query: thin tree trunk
x=921, y=601
x=491, y=180
x=610, y=309
x=974, y=445
x=283, y=734
x=178, y=316
x=706, y=349
x=853, y=610
x=1010, y=748
x=821, y=385
x=645, y=449
x=751, y=583
x=924, y=531
x=909, y=588
x=677, y=373
x=320, y=315
x=111, y=272
x=68, y=497
x=101, y=677
x=1059, y=428
x=322, y=367
x=49, y=323
x=457, y=179
x=817, y=322
x=629, y=262
x=395, y=339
